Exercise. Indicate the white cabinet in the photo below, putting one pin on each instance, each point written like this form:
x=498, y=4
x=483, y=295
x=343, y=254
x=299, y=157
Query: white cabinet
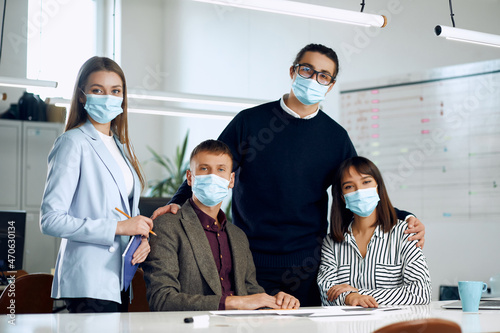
x=38, y=139
x=10, y=164
x=24, y=148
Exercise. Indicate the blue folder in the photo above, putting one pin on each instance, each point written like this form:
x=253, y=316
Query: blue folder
x=128, y=270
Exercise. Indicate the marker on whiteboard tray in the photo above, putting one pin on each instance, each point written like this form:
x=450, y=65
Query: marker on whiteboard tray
x=197, y=319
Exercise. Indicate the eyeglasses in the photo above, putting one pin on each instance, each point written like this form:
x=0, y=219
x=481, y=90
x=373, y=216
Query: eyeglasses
x=307, y=72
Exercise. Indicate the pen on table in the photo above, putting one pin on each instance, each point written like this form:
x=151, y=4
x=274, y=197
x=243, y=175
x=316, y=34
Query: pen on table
x=197, y=319
x=121, y=211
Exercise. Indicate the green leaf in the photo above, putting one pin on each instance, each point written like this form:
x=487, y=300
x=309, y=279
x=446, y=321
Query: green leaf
x=175, y=170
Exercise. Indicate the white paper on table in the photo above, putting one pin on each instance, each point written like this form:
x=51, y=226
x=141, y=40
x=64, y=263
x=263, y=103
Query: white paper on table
x=311, y=313
x=347, y=312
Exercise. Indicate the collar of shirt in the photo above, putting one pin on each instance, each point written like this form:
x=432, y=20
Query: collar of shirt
x=293, y=113
x=207, y=222
x=377, y=233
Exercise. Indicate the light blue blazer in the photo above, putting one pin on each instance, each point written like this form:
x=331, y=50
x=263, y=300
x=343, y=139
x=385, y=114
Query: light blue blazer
x=84, y=185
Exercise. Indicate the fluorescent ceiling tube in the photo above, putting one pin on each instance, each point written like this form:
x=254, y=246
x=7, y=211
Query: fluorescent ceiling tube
x=25, y=83
x=469, y=36
x=196, y=99
x=306, y=10
x=175, y=112
x=184, y=113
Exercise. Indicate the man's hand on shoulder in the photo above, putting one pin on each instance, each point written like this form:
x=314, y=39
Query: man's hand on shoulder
x=418, y=229
x=172, y=208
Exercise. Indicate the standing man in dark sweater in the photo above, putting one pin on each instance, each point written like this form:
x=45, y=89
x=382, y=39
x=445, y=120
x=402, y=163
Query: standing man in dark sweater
x=285, y=155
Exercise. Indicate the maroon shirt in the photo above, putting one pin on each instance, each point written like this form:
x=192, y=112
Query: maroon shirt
x=219, y=243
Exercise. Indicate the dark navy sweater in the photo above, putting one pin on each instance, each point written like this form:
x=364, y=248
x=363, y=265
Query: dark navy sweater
x=283, y=166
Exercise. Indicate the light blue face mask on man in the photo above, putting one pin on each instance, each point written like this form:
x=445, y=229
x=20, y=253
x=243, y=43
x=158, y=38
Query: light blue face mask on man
x=363, y=201
x=210, y=189
x=308, y=91
x=103, y=108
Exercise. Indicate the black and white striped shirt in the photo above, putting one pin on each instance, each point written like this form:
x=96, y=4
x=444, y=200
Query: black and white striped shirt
x=394, y=271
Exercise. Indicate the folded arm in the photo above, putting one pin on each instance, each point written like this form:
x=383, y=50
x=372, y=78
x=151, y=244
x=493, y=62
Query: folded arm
x=416, y=288
x=328, y=275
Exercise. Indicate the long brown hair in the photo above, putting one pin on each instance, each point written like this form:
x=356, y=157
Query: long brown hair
x=341, y=216
x=119, y=125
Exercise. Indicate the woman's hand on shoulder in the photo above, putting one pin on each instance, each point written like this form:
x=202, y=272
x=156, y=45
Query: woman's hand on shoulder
x=138, y=225
x=334, y=292
x=365, y=301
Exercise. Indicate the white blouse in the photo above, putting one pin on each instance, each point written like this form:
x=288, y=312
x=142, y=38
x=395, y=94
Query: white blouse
x=110, y=143
x=394, y=270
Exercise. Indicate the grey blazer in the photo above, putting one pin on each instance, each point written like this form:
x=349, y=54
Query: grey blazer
x=180, y=271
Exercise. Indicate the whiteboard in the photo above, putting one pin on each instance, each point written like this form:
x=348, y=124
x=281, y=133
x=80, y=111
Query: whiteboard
x=435, y=136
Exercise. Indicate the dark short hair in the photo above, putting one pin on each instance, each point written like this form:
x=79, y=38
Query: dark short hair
x=320, y=49
x=215, y=147
x=341, y=216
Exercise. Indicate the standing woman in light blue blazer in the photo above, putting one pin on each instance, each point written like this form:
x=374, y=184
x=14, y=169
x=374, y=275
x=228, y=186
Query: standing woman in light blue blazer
x=92, y=170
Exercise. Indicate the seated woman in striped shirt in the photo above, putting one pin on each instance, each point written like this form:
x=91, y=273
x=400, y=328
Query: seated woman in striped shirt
x=366, y=259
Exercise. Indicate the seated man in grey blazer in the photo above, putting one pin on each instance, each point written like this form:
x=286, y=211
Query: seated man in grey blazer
x=199, y=261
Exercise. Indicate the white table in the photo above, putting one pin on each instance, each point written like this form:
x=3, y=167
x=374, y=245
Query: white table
x=148, y=322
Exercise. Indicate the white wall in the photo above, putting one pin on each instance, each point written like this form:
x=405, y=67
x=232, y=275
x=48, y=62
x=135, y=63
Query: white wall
x=192, y=43
x=13, y=61
x=211, y=49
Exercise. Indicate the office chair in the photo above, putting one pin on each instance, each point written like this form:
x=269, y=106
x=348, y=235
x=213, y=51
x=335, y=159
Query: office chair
x=140, y=300
x=448, y=293
x=6, y=275
x=431, y=325
x=31, y=293
x=147, y=205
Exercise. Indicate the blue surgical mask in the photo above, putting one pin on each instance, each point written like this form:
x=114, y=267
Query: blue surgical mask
x=363, y=201
x=308, y=91
x=210, y=189
x=103, y=108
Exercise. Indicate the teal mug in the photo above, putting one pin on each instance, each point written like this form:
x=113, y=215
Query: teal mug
x=470, y=294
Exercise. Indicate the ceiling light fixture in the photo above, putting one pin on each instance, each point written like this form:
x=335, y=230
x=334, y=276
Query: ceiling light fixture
x=307, y=10
x=184, y=113
x=165, y=111
x=25, y=83
x=463, y=35
x=196, y=99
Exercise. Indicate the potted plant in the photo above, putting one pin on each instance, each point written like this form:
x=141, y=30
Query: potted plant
x=161, y=191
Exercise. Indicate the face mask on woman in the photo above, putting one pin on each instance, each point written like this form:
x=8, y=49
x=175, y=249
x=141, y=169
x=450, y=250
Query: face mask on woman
x=103, y=108
x=210, y=189
x=363, y=201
